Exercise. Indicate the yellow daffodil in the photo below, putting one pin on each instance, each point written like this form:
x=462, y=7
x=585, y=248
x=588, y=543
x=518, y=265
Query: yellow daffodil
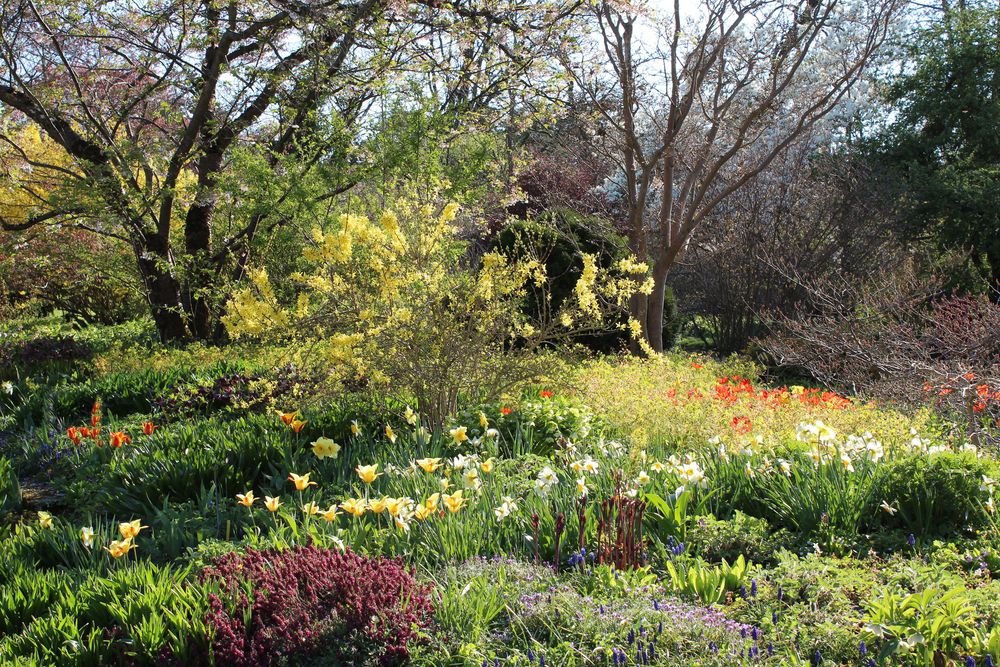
x=576, y=466
x=483, y=421
x=643, y=479
x=354, y=506
x=246, y=499
x=119, y=548
x=429, y=465
x=411, y=416
x=487, y=466
x=45, y=520
x=656, y=466
x=87, y=536
x=325, y=448
x=581, y=487
x=471, y=479
x=301, y=481
x=131, y=529
x=453, y=501
x=459, y=434
x=272, y=503
x=369, y=473
x=506, y=508
x=589, y=465
x=355, y=429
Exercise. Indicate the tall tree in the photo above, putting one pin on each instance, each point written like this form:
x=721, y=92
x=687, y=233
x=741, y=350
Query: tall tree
x=153, y=100
x=693, y=107
x=944, y=142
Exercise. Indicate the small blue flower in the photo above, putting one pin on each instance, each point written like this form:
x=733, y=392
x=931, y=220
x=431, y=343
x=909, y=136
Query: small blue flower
x=753, y=588
x=863, y=648
x=911, y=540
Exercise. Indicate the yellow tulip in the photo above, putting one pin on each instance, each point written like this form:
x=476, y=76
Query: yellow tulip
x=287, y=417
x=246, y=499
x=423, y=512
x=429, y=465
x=130, y=530
x=330, y=514
x=487, y=466
x=272, y=503
x=310, y=509
x=368, y=473
x=297, y=425
x=119, y=548
x=453, y=501
x=432, y=501
x=301, y=481
x=354, y=506
x=378, y=506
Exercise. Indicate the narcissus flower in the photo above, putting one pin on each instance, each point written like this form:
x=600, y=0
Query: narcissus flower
x=643, y=479
x=453, y=501
x=87, y=536
x=130, y=529
x=119, y=548
x=272, y=503
x=148, y=428
x=581, y=486
x=390, y=434
x=287, y=417
x=297, y=425
x=246, y=499
x=470, y=478
x=354, y=506
x=459, y=434
x=487, y=466
x=118, y=438
x=369, y=473
x=301, y=481
x=44, y=519
x=411, y=416
x=325, y=448
x=483, y=421
x=429, y=465
x=505, y=509
x=355, y=429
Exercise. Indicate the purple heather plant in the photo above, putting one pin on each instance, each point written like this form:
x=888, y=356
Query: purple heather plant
x=306, y=601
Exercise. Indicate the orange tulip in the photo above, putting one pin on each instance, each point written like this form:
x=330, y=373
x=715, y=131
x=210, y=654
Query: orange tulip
x=118, y=438
x=297, y=425
x=287, y=417
x=74, y=434
x=148, y=428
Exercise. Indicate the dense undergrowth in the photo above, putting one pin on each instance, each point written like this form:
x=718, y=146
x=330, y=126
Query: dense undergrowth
x=219, y=505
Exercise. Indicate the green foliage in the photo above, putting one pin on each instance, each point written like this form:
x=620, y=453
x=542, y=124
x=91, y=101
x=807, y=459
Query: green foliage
x=927, y=623
x=934, y=494
x=10, y=490
x=697, y=579
x=943, y=142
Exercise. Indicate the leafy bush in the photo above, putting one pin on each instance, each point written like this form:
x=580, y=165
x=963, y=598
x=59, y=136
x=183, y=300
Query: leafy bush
x=934, y=494
x=234, y=392
x=715, y=539
x=307, y=602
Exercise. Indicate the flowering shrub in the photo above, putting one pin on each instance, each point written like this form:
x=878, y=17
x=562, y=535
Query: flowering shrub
x=308, y=601
x=395, y=299
x=233, y=392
